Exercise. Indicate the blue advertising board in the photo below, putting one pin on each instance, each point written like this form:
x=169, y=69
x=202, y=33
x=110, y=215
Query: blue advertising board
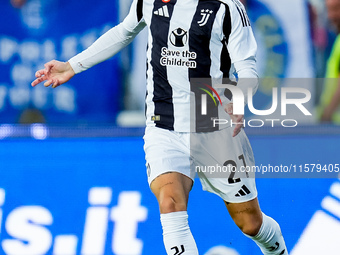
x=42, y=30
x=90, y=196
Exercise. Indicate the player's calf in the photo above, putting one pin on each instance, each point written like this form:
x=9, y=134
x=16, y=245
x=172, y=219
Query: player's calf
x=269, y=238
x=177, y=236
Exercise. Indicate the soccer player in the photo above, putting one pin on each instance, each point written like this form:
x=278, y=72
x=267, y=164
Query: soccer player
x=189, y=39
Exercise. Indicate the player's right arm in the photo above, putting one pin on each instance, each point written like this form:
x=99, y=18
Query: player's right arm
x=56, y=73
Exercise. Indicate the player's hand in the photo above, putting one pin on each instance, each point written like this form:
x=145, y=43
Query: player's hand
x=55, y=73
x=235, y=118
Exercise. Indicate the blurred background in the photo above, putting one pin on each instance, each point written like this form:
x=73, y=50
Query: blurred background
x=72, y=168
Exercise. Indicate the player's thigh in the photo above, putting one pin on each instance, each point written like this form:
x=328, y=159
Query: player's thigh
x=166, y=151
x=221, y=162
x=167, y=157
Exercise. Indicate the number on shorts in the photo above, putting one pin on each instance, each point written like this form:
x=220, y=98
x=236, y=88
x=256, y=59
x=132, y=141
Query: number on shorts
x=233, y=169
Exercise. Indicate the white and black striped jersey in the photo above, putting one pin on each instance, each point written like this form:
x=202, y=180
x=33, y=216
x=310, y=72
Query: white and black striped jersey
x=187, y=39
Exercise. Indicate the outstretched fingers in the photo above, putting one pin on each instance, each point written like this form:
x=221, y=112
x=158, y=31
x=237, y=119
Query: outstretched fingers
x=49, y=66
x=40, y=77
x=54, y=74
x=54, y=82
x=43, y=75
x=38, y=80
x=40, y=73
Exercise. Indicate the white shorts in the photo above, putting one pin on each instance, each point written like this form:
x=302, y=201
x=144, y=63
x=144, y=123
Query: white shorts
x=216, y=158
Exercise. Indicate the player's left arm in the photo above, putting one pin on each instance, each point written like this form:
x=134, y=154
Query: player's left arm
x=242, y=48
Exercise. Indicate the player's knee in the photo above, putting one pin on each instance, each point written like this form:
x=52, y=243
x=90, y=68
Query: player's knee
x=250, y=228
x=170, y=204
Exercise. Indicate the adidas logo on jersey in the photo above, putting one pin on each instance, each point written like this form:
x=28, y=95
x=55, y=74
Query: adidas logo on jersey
x=243, y=191
x=163, y=12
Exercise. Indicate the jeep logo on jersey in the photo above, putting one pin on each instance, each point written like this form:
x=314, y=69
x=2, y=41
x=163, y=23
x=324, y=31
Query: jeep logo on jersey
x=179, y=37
